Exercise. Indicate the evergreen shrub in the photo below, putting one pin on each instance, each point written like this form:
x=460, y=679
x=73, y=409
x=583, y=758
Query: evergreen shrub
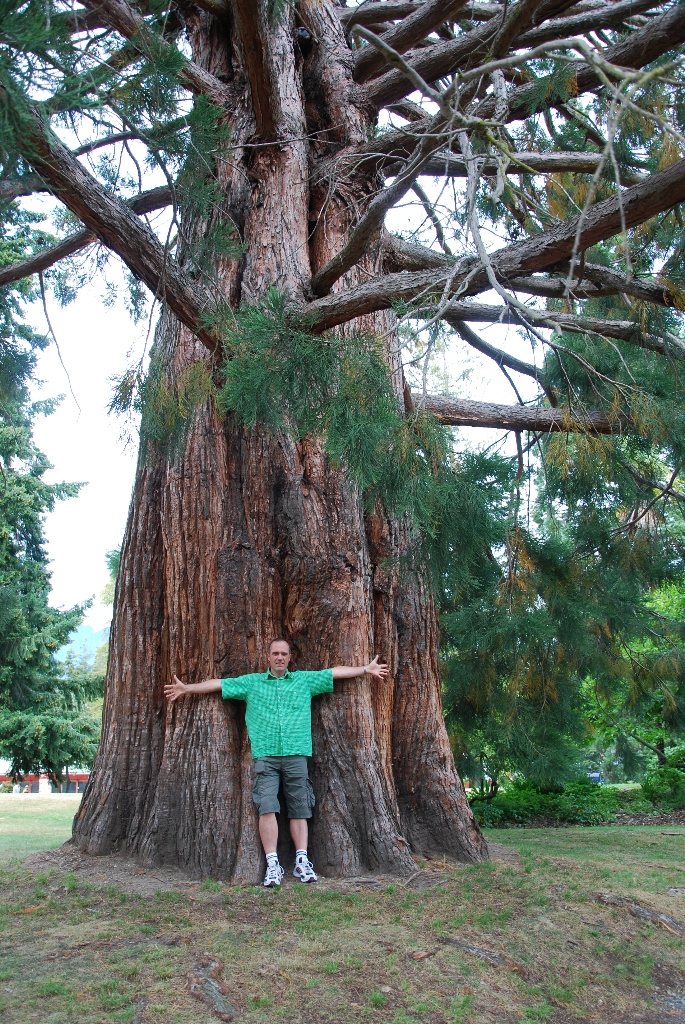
x=580, y=803
x=665, y=787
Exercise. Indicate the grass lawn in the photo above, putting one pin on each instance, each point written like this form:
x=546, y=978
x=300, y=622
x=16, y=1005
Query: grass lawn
x=519, y=939
x=30, y=822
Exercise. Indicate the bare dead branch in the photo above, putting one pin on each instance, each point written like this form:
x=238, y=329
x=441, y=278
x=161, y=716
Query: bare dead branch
x=415, y=27
x=498, y=355
x=109, y=140
x=128, y=23
x=460, y=412
x=624, y=330
x=146, y=202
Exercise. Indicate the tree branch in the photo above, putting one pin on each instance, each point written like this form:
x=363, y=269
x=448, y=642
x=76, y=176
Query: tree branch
x=459, y=412
x=128, y=23
x=368, y=61
x=452, y=317
x=146, y=202
x=432, y=63
x=609, y=16
x=372, y=220
x=115, y=224
x=657, y=193
x=254, y=31
x=371, y=14
x=13, y=188
x=639, y=49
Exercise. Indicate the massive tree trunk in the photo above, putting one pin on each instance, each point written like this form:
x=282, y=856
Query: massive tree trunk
x=244, y=536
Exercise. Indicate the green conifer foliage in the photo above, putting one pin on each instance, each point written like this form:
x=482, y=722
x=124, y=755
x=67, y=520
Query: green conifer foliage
x=44, y=725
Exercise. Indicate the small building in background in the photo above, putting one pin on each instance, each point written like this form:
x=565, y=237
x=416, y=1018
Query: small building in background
x=44, y=786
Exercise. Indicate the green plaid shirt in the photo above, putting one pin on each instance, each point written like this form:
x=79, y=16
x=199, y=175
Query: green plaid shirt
x=279, y=711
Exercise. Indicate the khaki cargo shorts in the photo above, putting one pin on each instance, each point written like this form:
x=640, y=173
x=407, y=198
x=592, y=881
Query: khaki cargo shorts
x=292, y=770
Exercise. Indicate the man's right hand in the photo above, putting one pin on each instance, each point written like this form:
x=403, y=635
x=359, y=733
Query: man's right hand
x=172, y=691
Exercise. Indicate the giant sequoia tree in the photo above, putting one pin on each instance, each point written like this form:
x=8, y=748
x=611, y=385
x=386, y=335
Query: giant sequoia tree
x=293, y=480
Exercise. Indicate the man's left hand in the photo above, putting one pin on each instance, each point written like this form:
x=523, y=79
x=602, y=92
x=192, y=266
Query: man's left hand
x=376, y=669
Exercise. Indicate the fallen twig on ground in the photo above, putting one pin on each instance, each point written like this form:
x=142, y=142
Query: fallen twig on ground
x=637, y=910
x=204, y=983
x=490, y=956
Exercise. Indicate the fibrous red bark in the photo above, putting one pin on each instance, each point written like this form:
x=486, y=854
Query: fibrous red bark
x=245, y=536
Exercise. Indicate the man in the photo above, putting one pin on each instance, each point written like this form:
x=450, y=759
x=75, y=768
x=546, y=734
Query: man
x=279, y=724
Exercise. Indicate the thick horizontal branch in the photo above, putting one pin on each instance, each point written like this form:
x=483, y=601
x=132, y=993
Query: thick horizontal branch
x=128, y=23
x=368, y=61
x=399, y=255
x=449, y=166
x=371, y=14
x=657, y=193
x=596, y=281
x=445, y=58
x=608, y=16
x=146, y=202
x=116, y=225
x=460, y=412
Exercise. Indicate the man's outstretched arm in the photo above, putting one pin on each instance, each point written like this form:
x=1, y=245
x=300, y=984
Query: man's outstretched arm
x=374, y=668
x=172, y=691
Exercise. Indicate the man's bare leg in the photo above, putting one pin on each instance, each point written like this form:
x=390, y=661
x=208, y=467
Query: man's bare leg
x=268, y=832
x=299, y=832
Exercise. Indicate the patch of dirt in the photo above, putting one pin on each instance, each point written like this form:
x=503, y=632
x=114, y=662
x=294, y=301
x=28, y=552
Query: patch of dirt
x=672, y=818
x=122, y=872
x=133, y=878
x=504, y=854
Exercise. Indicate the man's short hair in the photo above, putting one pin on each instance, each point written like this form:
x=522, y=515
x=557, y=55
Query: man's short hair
x=279, y=640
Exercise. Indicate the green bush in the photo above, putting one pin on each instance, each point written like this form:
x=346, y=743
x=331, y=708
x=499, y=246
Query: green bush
x=665, y=787
x=581, y=803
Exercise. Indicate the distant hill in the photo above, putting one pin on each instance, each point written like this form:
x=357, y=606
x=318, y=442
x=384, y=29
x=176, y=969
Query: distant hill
x=85, y=640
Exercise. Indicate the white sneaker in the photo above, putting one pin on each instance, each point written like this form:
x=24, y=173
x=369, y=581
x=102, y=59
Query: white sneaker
x=274, y=875
x=304, y=870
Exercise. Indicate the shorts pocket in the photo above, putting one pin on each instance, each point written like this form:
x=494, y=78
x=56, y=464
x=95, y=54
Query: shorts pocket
x=310, y=795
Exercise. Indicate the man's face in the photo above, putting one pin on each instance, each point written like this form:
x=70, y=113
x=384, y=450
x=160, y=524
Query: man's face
x=279, y=656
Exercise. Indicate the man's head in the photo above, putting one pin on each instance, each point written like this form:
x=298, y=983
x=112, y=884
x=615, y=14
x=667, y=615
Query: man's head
x=279, y=657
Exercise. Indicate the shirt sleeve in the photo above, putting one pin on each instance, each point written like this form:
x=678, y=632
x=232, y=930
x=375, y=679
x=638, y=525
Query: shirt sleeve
x=235, y=689
x=320, y=682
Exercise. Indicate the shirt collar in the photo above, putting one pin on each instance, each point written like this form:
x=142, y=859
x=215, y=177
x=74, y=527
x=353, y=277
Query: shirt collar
x=270, y=675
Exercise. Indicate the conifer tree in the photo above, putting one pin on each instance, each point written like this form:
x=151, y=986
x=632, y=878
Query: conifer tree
x=44, y=722
x=297, y=476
